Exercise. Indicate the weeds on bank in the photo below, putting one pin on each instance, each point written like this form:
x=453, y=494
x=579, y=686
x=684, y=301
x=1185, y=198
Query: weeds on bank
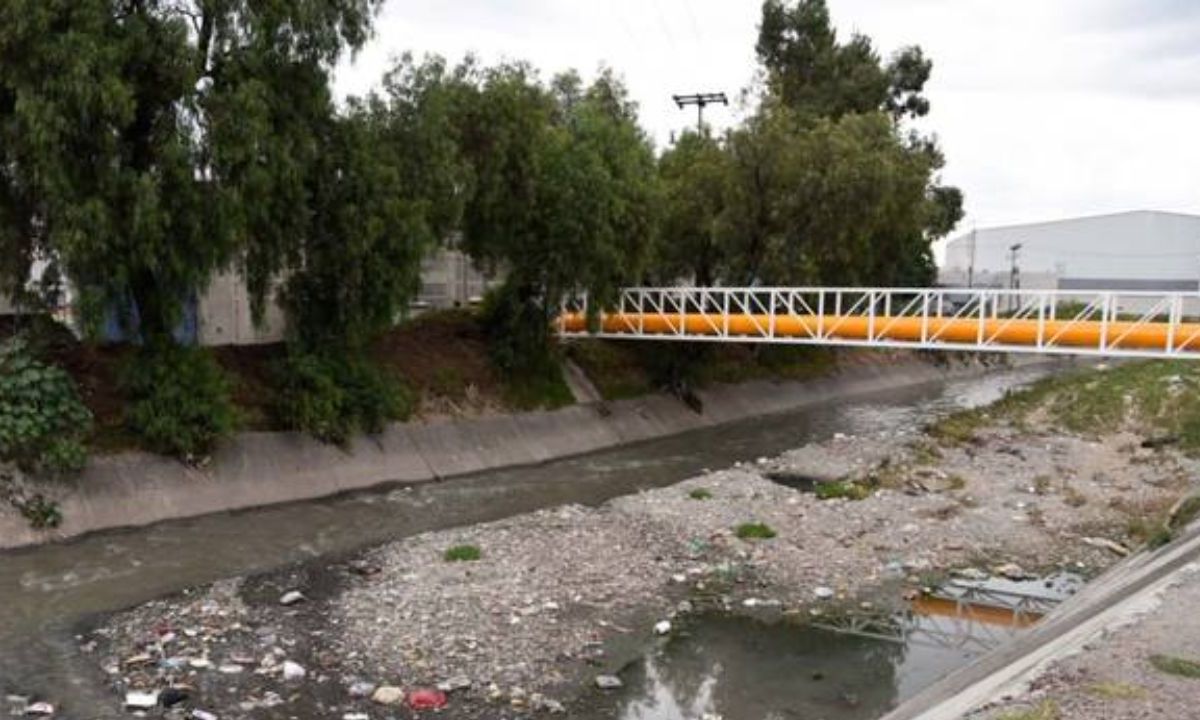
x=1118, y=691
x=1177, y=666
x=1157, y=396
x=463, y=553
x=700, y=494
x=1048, y=710
x=841, y=489
x=755, y=531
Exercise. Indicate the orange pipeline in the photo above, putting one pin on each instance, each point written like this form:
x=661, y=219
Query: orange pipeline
x=1082, y=333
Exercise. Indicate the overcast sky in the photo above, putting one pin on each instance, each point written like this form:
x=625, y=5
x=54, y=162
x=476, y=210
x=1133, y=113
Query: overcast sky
x=1045, y=108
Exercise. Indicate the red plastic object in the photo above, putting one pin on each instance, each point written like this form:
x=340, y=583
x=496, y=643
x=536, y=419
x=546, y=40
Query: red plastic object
x=426, y=699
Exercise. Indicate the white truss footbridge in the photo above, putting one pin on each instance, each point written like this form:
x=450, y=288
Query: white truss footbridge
x=1064, y=322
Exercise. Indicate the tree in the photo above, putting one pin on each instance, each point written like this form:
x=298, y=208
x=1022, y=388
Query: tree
x=563, y=198
x=385, y=187
x=809, y=71
x=693, y=241
x=146, y=143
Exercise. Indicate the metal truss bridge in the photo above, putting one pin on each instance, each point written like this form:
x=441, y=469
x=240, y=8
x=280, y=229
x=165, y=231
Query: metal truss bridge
x=1063, y=322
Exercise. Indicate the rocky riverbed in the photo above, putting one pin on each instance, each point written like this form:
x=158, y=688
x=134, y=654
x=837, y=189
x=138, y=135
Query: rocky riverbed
x=530, y=615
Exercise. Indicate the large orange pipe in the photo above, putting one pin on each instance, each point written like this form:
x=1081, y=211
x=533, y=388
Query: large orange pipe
x=1082, y=333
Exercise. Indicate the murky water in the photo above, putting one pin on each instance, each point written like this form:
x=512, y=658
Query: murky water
x=45, y=592
x=851, y=667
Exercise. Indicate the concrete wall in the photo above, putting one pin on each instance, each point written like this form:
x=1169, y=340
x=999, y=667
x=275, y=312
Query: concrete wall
x=256, y=469
x=450, y=279
x=224, y=316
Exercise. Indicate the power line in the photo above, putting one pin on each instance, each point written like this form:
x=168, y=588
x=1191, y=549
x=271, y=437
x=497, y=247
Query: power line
x=687, y=9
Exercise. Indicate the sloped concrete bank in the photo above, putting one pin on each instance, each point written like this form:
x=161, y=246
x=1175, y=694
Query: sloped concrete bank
x=257, y=469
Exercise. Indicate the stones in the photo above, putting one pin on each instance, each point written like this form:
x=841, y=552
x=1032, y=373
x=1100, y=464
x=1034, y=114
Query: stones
x=662, y=627
x=199, y=714
x=1012, y=571
x=609, y=682
x=293, y=672
x=292, y=597
x=230, y=668
x=138, y=700
x=40, y=709
x=387, y=695
x=454, y=684
x=361, y=689
x=172, y=696
x=1106, y=544
x=356, y=716
x=971, y=573
x=823, y=593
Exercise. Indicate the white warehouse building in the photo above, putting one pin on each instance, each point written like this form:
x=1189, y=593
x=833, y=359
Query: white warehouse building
x=1141, y=250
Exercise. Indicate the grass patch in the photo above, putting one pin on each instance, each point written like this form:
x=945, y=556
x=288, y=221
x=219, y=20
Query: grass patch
x=1047, y=710
x=1177, y=666
x=463, y=553
x=957, y=429
x=1184, y=513
x=615, y=368
x=1118, y=691
x=536, y=391
x=755, y=531
x=1154, y=397
x=1072, y=497
x=956, y=482
x=841, y=489
x=700, y=494
x=925, y=452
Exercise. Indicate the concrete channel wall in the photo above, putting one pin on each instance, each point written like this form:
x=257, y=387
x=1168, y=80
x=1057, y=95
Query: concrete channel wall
x=256, y=469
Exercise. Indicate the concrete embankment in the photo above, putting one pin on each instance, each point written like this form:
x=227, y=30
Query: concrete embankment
x=257, y=469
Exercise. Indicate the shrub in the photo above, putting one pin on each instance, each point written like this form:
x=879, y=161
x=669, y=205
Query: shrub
x=700, y=494
x=523, y=350
x=179, y=400
x=331, y=398
x=841, y=489
x=1176, y=666
x=42, y=420
x=463, y=553
x=755, y=531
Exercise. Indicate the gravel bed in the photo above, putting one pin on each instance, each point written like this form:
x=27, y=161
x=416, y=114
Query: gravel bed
x=560, y=596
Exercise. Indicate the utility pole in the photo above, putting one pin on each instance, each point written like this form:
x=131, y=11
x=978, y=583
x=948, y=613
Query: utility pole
x=971, y=262
x=1014, y=277
x=700, y=100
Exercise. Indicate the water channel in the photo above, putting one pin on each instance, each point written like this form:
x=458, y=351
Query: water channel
x=46, y=592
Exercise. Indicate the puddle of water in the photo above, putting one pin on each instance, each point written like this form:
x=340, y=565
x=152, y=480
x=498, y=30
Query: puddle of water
x=743, y=669
x=852, y=667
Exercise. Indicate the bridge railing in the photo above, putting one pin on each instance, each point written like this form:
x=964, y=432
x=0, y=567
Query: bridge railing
x=1077, y=322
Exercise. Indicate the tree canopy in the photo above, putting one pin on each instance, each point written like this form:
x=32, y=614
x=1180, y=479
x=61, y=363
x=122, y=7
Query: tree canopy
x=822, y=183
x=145, y=144
x=563, y=194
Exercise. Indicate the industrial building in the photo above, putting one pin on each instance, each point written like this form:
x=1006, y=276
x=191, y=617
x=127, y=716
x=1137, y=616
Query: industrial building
x=1139, y=250
x=221, y=314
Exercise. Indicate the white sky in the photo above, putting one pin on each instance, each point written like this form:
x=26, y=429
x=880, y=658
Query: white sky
x=1045, y=108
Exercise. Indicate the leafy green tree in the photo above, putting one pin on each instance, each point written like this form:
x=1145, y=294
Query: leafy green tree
x=811, y=72
x=695, y=174
x=371, y=217
x=563, y=198
x=146, y=143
